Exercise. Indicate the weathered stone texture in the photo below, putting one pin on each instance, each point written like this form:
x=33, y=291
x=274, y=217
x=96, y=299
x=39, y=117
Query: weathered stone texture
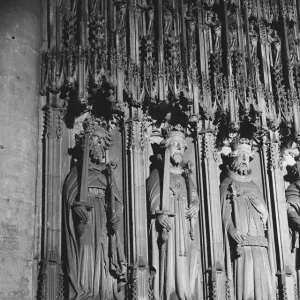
x=19, y=134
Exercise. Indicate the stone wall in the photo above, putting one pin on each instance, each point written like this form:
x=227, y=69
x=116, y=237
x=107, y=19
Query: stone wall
x=19, y=134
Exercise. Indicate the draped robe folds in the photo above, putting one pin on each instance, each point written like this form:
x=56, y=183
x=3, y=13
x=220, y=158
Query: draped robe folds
x=293, y=210
x=89, y=267
x=249, y=274
x=183, y=272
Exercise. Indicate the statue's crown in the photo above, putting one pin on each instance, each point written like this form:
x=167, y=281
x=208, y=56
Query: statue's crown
x=95, y=126
x=241, y=144
x=91, y=123
x=176, y=130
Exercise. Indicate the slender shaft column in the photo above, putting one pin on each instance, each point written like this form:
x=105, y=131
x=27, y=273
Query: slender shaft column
x=21, y=137
x=286, y=282
x=210, y=214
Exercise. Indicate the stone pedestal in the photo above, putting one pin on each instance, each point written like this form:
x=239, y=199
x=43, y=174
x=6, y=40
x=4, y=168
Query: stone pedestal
x=20, y=136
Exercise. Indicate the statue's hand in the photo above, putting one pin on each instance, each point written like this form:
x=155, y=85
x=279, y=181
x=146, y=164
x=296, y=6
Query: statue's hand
x=234, y=233
x=192, y=212
x=164, y=221
x=264, y=219
x=123, y=269
x=81, y=212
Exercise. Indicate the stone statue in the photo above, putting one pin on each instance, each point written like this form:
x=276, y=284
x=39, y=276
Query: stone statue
x=174, y=229
x=293, y=210
x=122, y=7
x=92, y=210
x=168, y=18
x=191, y=24
x=245, y=216
x=253, y=36
x=150, y=12
x=217, y=36
x=93, y=7
x=276, y=43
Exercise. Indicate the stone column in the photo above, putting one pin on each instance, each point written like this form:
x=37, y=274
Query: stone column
x=21, y=138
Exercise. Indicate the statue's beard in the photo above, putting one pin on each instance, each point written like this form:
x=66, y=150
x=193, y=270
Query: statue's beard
x=241, y=168
x=96, y=154
x=177, y=158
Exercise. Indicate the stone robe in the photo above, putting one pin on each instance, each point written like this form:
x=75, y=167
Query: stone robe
x=89, y=266
x=249, y=274
x=183, y=272
x=293, y=210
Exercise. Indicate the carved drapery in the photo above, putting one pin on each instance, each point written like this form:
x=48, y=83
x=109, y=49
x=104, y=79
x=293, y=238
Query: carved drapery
x=219, y=68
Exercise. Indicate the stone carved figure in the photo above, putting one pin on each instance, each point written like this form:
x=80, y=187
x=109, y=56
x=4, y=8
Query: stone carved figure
x=245, y=216
x=93, y=7
x=191, y=24
x=293, y=210
x=168, y=17
x=94, y=257
x=174, y=229
x=253, y=36
x=122, y=10
x=217, y=31
x=232, y=39
x=150, y=14
x=276, y=45
x=293, y=43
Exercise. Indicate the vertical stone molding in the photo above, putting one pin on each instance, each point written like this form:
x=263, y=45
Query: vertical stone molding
x=19, y=136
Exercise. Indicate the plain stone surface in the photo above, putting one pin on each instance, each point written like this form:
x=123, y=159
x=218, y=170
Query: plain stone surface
x=19, y=119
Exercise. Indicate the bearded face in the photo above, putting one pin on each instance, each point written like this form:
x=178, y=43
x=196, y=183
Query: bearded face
x=176, y=148
x=97, y=152
x=241, y=163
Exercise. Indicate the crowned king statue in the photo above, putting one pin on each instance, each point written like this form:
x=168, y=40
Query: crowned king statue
x=245, y=219
x=92, y=210
x=293, y=211
x=174, y=229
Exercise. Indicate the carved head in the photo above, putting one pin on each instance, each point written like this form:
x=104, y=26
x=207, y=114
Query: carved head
x=176, y=144
x=100, y=140
x=241, y=155
x=291, y=155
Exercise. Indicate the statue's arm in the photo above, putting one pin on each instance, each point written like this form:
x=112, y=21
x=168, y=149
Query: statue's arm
x=228, y=224
x=70, y=193
x=227, y=218
x=118, y=199
x=119, y=209
x=153, y=192
x=226, y=207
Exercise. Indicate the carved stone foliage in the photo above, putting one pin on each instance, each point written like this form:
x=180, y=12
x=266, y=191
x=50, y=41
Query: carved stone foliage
x=235, y=60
